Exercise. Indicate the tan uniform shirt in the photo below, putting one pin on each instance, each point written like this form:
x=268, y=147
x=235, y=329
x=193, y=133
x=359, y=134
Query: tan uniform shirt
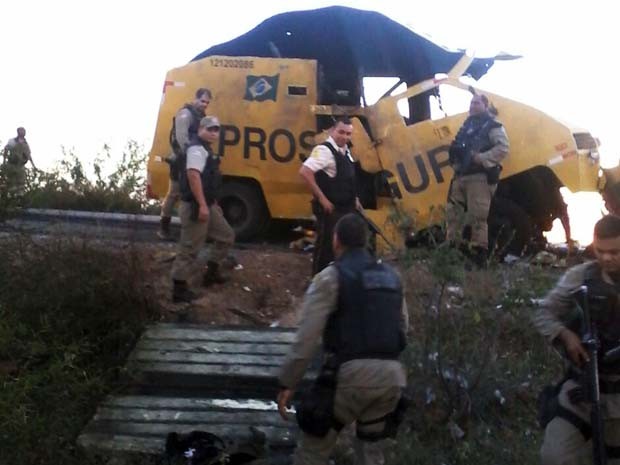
x=182, y=122
x=556, y=310
x=499, y=151
x=17, y=151
x=319, y=302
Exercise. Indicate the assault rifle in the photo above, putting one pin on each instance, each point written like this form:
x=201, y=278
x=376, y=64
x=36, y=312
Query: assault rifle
x=374, y=228
x=592, y=344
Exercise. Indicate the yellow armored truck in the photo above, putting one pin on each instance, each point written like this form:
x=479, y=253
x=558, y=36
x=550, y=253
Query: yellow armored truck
x=277, y=88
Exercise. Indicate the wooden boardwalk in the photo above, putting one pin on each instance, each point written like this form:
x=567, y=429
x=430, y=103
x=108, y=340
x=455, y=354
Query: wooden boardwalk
x=186, y=377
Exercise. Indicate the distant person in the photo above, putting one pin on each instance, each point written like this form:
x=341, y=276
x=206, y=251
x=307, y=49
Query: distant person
x=329, y=172
x=184, y=128
x=475, y=155
x=16, y=156
x=355, y=309
x=568, y=431
x=611, y=190
x=200, y=180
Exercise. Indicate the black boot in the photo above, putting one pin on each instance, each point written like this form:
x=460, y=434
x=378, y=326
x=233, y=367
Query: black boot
x=213, y=275
x=480, y=257
x=182, y=293
x=164, y=229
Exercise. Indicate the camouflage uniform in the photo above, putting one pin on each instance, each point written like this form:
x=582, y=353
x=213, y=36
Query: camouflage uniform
x=17, y=154
x=367, y=389
x=564, y=443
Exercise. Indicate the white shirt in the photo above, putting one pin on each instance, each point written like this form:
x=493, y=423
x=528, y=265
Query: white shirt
x=321, y=158
x=196, y=158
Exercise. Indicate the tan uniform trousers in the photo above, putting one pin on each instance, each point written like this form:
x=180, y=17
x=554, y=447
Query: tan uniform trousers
x=15, y=178
x=172, y=197
x=564, y=444
x=351, y=403
x=193, y=236
x=469, y=201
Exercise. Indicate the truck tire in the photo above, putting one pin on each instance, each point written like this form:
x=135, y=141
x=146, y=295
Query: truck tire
x=244, y=209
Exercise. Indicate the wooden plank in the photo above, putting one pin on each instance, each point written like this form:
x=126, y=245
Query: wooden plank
x=275, y=436
x=117, y=442
x=207, y=359
x=180, y=416
x=199, y=333
x=177, y=403
x=221, y=370
x=214, y=347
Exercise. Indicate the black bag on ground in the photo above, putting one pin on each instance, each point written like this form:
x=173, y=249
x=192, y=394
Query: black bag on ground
x=196, y=448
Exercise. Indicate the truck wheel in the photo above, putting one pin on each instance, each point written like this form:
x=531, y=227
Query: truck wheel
x=244, y=209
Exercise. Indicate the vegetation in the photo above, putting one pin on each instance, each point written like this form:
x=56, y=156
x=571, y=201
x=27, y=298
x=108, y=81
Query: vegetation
x=71, y=186
x=475, y=362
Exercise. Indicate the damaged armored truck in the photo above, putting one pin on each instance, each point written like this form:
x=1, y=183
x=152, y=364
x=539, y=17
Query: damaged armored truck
x=277, y=87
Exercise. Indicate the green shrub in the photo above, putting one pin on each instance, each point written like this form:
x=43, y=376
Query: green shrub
x=70, y=313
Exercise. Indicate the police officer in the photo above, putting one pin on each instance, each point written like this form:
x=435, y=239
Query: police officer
x=201, y=216
x=16, y=156
x=184, y=129
x=567, y=434
x=475, y=155
x=329, y=172
x=356, y=307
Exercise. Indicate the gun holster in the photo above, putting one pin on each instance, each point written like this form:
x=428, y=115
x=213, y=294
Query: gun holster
x=315, y=408
x=547, y=404
x=386, y=426
x=493, y=174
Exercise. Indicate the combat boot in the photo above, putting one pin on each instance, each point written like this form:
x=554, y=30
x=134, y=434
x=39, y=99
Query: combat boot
x=182, y=293
x=164, y=229
x=213, y=275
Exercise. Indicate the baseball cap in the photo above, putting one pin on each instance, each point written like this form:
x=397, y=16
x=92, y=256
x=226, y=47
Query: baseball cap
x=209, y=122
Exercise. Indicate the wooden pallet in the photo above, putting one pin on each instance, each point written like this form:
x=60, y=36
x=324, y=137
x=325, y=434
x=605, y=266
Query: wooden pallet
x=187, y=377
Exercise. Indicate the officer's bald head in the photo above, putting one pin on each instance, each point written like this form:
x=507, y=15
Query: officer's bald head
x=606, y=245
x=351, y=231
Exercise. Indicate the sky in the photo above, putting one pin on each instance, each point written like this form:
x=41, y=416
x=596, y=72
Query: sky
x=81, y=74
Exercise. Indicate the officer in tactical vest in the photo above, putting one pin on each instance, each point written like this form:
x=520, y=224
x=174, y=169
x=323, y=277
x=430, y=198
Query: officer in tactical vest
x=567, y=434
x=329, y=172
x=16, y=156
x=356, y=307
x=201, y=216
x=475, y=155
x=184, y=129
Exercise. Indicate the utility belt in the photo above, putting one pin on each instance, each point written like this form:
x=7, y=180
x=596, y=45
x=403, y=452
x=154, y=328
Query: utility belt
x=492, y=173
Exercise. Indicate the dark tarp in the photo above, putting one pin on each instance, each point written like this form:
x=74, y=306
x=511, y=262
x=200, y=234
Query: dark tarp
x=349, y=44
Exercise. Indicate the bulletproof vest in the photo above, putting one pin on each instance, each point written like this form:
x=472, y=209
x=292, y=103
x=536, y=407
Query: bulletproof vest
x=211, y=176
x=367, y=322
x=179, y=159
x=472, y=137
x=339, y=190
x=605, y=312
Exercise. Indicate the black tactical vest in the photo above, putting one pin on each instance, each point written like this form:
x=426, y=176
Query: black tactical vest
x=339, y=190
x=472, y=137
x=605, y=312
x=179, y=159
x=211, y=176
x=367, y=323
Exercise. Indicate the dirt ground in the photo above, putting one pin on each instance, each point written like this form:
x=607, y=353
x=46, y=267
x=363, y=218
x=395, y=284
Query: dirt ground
x=266, y=286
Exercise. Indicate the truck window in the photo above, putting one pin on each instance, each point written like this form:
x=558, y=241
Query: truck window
x=449, y=101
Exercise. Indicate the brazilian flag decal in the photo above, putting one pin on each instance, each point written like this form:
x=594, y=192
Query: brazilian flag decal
x=261, y=88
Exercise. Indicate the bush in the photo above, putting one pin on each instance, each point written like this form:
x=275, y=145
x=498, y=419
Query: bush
x=69, y=186
x=475, y=363
x=70, y=313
